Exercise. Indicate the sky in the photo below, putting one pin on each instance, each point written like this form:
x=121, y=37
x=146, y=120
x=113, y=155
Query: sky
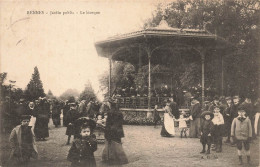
x=62, y=46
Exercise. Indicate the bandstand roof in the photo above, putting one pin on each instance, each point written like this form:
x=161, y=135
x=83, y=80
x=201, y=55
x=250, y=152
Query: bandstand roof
x=163, y=41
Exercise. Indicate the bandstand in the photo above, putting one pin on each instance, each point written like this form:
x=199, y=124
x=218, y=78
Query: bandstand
x=159, y=45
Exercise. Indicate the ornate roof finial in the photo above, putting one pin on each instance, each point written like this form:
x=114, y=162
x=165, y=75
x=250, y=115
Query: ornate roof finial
x=163, y=23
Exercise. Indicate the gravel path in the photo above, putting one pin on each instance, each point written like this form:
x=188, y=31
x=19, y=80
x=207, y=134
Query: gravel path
x=144, y=147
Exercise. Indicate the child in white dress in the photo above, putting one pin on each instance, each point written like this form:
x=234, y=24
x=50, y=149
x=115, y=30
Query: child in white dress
x=183, y=125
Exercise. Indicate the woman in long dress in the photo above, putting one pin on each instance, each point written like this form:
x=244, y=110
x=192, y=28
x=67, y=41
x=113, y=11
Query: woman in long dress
x=42, y=119
x=113, y=153
x=168, y=123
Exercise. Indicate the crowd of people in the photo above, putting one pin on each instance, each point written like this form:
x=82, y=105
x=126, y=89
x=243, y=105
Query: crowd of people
x=138, y=91
x=31, y=120
x=43, y=109
x=39, y=111
x=223, y=117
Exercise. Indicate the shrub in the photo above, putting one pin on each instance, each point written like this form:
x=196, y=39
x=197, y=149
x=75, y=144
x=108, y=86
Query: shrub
x=132, y=118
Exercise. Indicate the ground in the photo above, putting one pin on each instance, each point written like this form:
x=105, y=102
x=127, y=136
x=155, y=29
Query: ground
x=144, y=147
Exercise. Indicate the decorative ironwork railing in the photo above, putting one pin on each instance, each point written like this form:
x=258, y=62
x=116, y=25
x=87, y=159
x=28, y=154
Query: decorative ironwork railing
x=140, y=102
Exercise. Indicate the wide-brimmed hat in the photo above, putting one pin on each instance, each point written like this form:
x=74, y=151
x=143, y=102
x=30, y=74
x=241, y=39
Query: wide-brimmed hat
x=207, y=113
x=86, y=122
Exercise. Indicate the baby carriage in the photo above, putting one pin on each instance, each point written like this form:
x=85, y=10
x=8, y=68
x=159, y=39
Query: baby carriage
x=99, y=131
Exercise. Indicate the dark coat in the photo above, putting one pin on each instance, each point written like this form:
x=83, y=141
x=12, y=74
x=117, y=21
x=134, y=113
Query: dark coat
x=227, y=119
x=31, y=111
x=56, y=111
x=20, y=110
x=7, y=116
x=82, y=151
x=43, y=110
x=42, y=119
x=249, y=108
x=207, y=127
x=175, y=110
x=219, y=131
x=114, y=126
x=16, y=143
x=90, y=110
x=156, y=116
x=66, y=108
x=71, y=117
x=227, y=114
x=234, y=110
x=195, y=110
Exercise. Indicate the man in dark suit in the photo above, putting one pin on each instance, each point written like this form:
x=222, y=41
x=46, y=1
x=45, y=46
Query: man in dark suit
x=195, y=118
x=227, y=117
x=237, y=104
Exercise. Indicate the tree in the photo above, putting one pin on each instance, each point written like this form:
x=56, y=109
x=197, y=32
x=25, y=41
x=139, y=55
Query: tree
x=50, y=95
x=87, y=93
x=14, y=94
x=34, y=88
x=3, y=88
x=3, y=77
x=237, y=22
x=68, y=94
x=17, y=94
x=234, y=21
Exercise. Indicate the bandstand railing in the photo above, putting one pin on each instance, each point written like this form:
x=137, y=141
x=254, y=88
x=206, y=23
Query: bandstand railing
x=137, y=104
x=140, y=102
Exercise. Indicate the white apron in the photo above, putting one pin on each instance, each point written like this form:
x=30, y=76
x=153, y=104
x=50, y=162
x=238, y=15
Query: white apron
x=32, y=122
x=256, y=122
x=169, y=124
